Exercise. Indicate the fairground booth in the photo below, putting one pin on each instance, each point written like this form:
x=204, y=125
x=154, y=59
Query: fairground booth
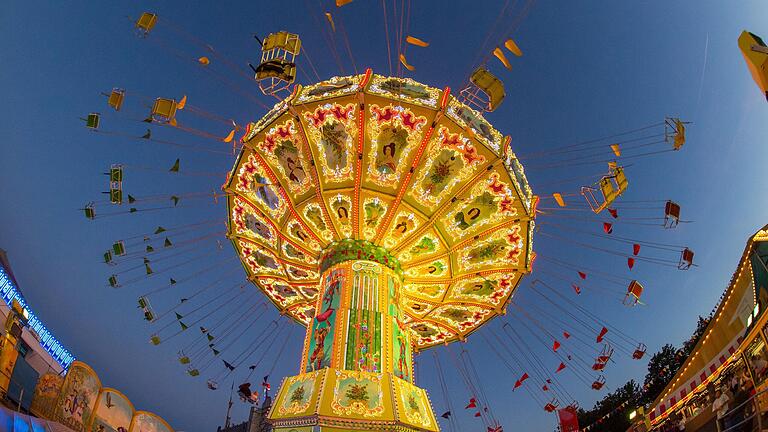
x=730, y=357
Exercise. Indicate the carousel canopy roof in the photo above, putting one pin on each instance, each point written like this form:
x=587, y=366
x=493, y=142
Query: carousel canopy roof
x=388, y=169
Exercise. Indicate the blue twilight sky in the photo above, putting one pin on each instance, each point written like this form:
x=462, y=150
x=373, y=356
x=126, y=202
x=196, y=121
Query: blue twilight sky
x=590, y=69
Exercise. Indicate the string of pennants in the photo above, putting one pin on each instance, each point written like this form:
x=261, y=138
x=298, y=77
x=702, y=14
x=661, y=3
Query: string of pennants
x=616, y=410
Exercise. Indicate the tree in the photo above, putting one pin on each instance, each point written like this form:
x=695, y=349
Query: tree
x=611, y=413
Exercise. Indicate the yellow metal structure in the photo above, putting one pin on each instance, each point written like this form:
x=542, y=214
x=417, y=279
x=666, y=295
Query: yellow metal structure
x=755, y=53
x=387, y=217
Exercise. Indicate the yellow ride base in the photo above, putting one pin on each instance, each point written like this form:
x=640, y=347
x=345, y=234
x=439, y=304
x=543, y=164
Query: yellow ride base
x=331, y=400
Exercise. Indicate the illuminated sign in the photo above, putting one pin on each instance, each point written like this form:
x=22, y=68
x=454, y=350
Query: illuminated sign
x=9, y=292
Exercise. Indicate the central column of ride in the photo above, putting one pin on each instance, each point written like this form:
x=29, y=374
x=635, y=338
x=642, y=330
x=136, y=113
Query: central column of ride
x=356, y=368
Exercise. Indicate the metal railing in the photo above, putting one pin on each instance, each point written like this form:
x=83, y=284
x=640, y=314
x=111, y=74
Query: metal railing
x=756, y=412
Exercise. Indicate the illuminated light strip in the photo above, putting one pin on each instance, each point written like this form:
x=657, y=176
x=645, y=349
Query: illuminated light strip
x=9, y=293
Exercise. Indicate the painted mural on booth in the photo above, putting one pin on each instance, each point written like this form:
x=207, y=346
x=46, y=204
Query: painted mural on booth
x=77, y=398
x=113, y=412
x=147, y=422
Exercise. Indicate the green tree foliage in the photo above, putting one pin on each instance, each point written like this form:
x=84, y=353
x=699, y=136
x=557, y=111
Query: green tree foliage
x=610, y=414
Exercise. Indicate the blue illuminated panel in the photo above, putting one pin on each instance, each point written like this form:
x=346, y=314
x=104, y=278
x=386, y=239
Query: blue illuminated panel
x=9, y=292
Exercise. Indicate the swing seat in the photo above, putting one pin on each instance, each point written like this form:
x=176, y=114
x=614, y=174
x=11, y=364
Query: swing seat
x=755, y=53
x=119, y=248
x=116, y=98
x=686, y=259
x=671, y=214
x=485, y=91
x=146, y=23
x=164, y=110
x=92, y=121
x=639, y=352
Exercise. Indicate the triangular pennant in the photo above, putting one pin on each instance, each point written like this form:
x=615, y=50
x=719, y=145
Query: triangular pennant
x=175, y=200
x=614, y=213
x=178, y=316
x=561, y=367
x=228, y=365
x=183, y=326
x=555, y=346
x=635, y=249
x=210, y=338
x=131, y=199
x=630, y=263
x=477, y=414
x=582, y=275
x=159, y=230
x=601, y=335
x=576, y=288
x=446, y=415
x=149, y=249
x=472, y=404
x=215, y=351
x=607, y=227
x=544, y=387
x=167, y=243
x=175, y=167
x=173, y=281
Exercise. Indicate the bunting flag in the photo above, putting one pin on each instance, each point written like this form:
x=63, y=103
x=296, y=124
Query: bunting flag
x=228, y=365
x=576, y=288
x=477, y=414
x=159, y=230
x=566, y=334
x=561, y=367
x=608, y=227
x=472, y=404
x=630, y=263
x=149, y=249
x=446, y=415
x=172, y=281
x=183, y=326
x=601, y=335
x=555, y=346
x=616, y=149
x=549, y=381
x=582, y=275
x=614, y=213
x=167, y=242
x=495, y=429
x=635, y=249
x=544, y=387
x=559, y=199
x=178, y=316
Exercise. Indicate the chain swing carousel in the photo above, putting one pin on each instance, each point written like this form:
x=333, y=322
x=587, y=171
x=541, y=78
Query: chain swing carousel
x=387, y=217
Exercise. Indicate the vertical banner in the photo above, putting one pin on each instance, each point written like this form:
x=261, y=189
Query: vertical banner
x=144, y=421
x=77, y=398
x=322, y=332
x=46, y=394
x=113, y=412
